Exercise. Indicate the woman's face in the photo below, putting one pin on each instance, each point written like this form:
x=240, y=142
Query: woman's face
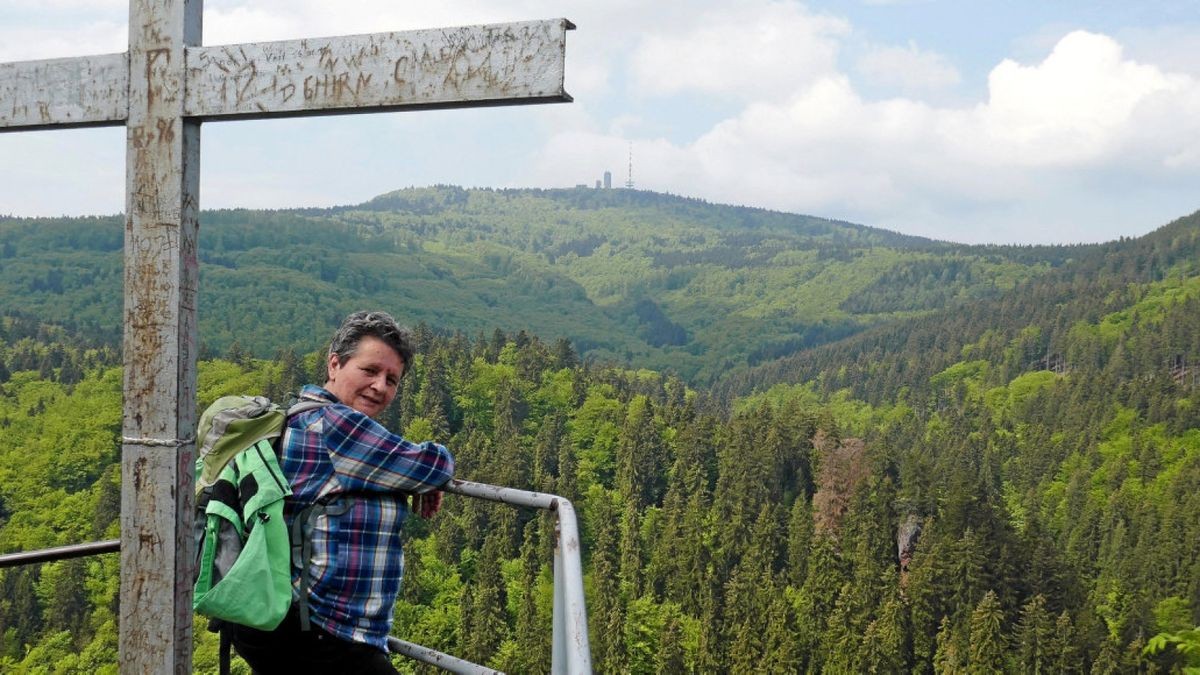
x=368, y=379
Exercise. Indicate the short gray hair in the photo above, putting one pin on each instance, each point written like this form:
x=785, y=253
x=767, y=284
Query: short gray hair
x=372, y=324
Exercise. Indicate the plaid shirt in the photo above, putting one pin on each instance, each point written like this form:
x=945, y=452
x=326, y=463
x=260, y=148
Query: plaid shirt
x=357, y=559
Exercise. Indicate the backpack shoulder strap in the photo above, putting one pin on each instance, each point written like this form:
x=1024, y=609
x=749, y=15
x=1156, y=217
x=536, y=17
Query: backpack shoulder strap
x=304, y=405
x=302, y=544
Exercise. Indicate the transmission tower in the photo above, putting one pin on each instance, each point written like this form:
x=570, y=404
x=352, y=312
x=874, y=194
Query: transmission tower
x=629, y=180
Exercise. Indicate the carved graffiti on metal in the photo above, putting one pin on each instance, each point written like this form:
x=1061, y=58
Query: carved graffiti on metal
x=85, y=91
x=482, y=65
x=497, y=64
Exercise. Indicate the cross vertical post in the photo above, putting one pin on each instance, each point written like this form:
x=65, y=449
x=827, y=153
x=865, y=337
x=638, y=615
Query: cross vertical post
x=161, y=272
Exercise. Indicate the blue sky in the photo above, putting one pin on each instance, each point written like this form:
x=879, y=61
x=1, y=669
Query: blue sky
x=1018, y=121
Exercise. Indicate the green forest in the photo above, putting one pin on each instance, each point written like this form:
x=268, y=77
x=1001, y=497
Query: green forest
x=638, y=278
x=988, y=463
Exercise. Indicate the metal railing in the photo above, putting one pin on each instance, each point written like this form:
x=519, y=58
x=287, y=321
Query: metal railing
x=570, y=652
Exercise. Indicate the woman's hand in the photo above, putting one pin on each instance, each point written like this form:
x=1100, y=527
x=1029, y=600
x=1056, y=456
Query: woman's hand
x=425, y=505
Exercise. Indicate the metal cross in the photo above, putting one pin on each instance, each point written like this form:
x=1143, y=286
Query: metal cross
x=161, y=90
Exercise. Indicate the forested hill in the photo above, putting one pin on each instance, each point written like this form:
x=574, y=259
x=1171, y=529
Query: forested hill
x=628, y=276
x=1067, y=319
x=1008, y=486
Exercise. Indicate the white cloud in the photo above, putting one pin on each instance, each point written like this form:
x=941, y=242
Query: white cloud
x=766, y=50
x=1075, y=123
x=51, y=42
x=1069, y=109
x=908, y=68
x=781, y=125
x=89, y=6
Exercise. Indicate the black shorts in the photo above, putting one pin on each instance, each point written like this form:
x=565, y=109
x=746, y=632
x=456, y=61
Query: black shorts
x=289, y=650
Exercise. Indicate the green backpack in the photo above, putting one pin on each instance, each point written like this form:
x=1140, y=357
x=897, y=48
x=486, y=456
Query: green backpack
x=243, y=553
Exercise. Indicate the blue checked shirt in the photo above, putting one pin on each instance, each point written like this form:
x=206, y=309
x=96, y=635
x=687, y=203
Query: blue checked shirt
x=357, y=560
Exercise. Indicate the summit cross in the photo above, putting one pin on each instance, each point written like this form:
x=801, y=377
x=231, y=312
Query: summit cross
x=161, y=90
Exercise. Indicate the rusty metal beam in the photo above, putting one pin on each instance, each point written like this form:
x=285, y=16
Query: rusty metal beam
x=57, y=93
x=497, y=64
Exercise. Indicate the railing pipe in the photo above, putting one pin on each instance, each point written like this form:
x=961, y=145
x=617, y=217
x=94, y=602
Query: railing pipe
x=435, y=658
x=572, y=622
x=59, y=553
x=571, y=652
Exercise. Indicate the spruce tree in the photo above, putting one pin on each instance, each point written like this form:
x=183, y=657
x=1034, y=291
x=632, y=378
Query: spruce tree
x=1064, y=652
x=1033, y=637
x=484, y=618
x=988, y=644
x=885, y=642
x=641, y=455
x=950, y=657
x=670, y=657
x=630, y=572
x=799, y=539
x=781, y=650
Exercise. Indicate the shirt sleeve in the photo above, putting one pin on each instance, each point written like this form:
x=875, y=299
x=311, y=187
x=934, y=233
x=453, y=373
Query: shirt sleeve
x=368, y=457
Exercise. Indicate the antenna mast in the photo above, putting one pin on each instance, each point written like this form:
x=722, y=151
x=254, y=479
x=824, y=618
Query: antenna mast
x=629, y=180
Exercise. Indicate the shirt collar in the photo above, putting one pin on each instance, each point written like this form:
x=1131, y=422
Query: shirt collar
x=313, y=392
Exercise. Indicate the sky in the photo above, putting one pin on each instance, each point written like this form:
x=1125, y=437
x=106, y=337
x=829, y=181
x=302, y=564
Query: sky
x=1025, y=121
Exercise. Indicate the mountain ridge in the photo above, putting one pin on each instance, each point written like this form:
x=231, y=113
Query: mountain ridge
x=636, y=277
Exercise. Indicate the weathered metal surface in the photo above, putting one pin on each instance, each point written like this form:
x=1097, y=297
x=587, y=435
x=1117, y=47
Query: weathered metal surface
x=162, y=173
x=573, y=622
x=507, y=495
x=60, y=553
x=73, y=92
x=498, y=64
x=435, y=658
x=570, y=648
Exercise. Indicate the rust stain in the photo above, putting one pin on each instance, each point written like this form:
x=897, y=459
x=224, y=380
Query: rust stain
x=139, y=468
x=152, y=56
x=166, y=130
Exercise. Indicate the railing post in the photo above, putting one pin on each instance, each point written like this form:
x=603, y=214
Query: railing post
x=568, y=576
x=558, y=653
x=571, y=652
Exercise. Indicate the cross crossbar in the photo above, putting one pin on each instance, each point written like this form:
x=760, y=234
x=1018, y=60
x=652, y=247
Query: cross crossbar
x=61, y=93
x=495, y=64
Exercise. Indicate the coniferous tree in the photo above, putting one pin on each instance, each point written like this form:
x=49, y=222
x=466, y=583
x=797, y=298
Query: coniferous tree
x=839, y=646
x=530, y=632
x=988, y=643
x=670, y=657
x=748, y=596
x=799, y=541
x=926, y=591
x=781, y=651
x=563, y=355
x=63, y=596
x=630, y=572
x=951, y=656
x=885, y=641
x=436, y=402
x=1033, y=637
x=641, y=455
x=605, y=607
x=484, y=619
x=820, y=593
x=1064, y=652
x=1108, y=660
